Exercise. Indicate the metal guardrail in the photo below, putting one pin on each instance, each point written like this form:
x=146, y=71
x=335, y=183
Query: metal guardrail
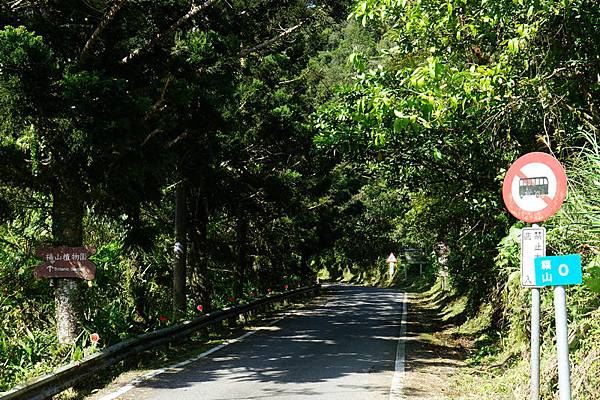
x=64, y=377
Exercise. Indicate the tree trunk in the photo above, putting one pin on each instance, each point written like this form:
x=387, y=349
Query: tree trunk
x=67, y=230
x=242, y=253
x=200, y=284
x=180, y=248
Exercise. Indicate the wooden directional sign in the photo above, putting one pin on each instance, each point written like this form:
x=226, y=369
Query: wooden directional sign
x=535, y=187
x=66, y=262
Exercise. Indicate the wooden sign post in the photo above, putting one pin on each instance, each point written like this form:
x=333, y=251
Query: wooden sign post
x=66, y=265
x=66, y=262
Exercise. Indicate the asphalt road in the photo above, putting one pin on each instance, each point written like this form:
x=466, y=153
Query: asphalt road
x=341, y=347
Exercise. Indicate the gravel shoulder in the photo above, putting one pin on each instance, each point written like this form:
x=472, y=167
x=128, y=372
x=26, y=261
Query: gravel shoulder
x=434, y=357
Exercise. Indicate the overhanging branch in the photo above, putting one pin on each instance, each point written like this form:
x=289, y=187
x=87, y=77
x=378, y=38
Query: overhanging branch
x=159, y=36
x=89, y=45
x=267, y=43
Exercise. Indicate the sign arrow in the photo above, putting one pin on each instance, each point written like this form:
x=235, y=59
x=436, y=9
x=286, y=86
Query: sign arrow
x=391, y=258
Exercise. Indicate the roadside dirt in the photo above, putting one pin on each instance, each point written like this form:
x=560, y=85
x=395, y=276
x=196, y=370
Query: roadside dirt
x=432, y=355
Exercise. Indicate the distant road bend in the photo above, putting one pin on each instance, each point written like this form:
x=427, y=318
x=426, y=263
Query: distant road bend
x=343, y=346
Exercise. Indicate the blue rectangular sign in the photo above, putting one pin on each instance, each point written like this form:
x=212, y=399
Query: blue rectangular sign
x=558, y=270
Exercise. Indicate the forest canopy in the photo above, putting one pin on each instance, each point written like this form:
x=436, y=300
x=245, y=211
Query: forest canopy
x=215, y=151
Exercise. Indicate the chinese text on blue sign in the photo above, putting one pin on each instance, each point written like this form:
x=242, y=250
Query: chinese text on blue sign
x=558, y=270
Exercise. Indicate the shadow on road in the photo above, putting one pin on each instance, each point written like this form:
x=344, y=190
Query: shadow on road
x=349, y=335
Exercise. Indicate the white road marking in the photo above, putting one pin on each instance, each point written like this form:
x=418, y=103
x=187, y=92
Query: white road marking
x=178, y=366
x=396, y=387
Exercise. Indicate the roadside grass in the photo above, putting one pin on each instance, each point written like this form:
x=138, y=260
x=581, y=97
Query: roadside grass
x=484, y=371
x=433, y=354
x=378, y=275
x=500, y=374
x=498, y=363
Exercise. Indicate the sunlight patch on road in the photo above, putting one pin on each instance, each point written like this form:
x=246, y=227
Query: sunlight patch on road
x=267, y=328
x=178, y=367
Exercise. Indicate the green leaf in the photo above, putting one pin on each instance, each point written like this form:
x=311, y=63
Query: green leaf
x=513, y=45
x=77, y=353
x=593, y=282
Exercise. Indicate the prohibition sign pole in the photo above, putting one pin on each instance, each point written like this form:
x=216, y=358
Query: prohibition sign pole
x=534, y=189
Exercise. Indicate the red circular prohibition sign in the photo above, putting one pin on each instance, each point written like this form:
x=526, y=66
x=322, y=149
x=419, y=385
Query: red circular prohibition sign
x=553, y=203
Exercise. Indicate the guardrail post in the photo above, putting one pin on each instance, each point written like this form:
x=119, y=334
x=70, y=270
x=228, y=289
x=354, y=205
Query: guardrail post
x=231, y=322
x=203, y=333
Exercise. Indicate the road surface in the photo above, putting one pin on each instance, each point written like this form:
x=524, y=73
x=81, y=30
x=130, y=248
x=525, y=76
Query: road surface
x=343, y=346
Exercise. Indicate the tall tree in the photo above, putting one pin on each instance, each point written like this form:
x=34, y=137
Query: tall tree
x=455, y=91
x=63, y=122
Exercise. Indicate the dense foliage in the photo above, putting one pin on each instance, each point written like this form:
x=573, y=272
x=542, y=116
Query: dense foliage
x=287, y=139
x=456, y=92
x=450, y=95
x=109, y=110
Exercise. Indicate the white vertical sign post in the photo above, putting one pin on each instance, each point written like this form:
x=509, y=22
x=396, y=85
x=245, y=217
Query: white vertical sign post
x=391, y=260
x=533, y=245
x=535, y=344
x=534, y=189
